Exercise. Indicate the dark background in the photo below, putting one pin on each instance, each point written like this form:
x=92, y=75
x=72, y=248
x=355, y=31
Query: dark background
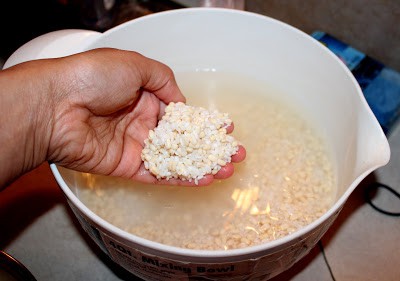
x=371, y=26
x=23, y=20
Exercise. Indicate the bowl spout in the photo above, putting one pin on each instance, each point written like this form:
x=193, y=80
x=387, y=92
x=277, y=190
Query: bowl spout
x=370, y=148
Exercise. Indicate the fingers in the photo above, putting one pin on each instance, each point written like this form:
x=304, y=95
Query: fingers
x=240, y=155
x=162, y=110
x=145, y=176
x=225, y=172
x=106, y=80
x=228, y=170
x=159, y=79
x=230, y=128
x=206, y=180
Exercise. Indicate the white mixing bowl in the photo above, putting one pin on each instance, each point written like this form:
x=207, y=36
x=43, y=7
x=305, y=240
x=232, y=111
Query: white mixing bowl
x=253, y=45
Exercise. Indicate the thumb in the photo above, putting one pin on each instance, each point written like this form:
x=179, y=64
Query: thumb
x=159, y=79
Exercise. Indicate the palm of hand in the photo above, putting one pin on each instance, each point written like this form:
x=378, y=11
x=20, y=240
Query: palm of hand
x=103, y=115
x=106, y=144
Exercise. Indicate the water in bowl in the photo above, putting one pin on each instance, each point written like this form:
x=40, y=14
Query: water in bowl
x=286, y=182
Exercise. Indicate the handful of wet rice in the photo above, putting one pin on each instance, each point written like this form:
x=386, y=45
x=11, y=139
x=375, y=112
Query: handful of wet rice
x=188, y=143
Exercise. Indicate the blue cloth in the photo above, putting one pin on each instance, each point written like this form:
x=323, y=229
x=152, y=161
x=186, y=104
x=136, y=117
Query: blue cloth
x=380, y=84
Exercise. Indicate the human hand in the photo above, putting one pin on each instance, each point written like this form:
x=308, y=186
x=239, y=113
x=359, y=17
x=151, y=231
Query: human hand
x=99, y=109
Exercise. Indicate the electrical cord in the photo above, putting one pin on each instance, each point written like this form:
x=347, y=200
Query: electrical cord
x=370, y=190
x=321, y=248
x=369, y=193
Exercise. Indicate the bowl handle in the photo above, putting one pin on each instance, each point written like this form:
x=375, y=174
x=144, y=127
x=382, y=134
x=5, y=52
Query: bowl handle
x=53, y=44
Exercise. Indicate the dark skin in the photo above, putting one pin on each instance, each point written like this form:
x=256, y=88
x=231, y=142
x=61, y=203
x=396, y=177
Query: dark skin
x=90, y=112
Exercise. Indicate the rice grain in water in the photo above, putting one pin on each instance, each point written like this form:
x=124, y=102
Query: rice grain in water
x=286, y=181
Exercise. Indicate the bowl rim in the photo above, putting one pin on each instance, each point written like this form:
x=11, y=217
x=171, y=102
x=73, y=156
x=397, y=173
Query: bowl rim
x=268, y=247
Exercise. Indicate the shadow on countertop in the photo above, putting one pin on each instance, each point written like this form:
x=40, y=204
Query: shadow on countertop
x=25, y=200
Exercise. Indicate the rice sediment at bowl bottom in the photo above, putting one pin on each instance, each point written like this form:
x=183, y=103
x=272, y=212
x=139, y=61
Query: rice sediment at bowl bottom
x=307, y=76
x=153, y=261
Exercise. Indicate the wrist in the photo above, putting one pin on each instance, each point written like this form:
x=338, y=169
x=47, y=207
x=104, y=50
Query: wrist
x=26, y=107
